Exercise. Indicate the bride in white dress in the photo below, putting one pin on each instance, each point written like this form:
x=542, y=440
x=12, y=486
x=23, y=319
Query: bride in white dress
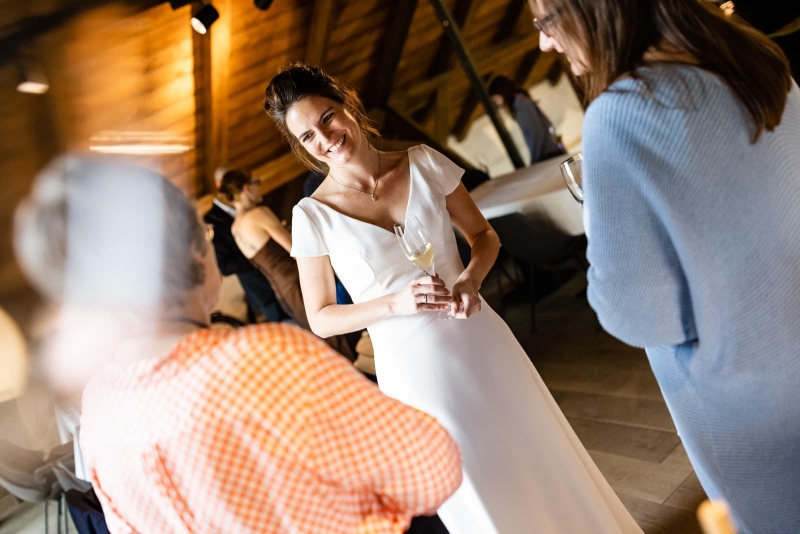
x=525, y=470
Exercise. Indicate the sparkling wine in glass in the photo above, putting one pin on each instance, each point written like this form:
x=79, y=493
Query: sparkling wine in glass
x=416, y=244
x=418, y=248
x=571, y=171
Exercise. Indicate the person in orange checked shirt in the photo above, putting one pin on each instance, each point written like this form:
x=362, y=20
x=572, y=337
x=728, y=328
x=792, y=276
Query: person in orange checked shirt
x=185, y=428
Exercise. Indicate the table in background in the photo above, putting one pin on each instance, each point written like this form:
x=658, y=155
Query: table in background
x=538, y=191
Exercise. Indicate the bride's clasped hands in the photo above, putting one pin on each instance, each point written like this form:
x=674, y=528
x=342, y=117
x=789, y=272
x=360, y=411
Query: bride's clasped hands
x=466, y=301
x=422, y=294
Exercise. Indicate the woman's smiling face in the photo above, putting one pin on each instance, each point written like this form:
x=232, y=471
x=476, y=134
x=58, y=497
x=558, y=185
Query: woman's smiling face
x=326, y=129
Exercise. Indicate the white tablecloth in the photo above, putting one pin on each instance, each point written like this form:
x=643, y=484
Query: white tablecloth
x=537, y=191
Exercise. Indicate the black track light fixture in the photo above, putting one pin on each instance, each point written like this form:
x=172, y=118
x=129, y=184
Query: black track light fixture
x=204, y=18
x=263, y=5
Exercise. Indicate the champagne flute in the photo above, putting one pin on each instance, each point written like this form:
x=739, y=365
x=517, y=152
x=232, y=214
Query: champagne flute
x=571, y=171
x=418, y=248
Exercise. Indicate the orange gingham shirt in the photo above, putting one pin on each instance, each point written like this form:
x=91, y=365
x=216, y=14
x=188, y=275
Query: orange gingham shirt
x=263, y=429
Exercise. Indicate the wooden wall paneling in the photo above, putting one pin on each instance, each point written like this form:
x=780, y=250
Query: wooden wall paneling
x=143, y=82
x=30, y=140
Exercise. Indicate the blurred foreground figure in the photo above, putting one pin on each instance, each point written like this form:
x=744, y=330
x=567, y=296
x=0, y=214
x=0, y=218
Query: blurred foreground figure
x=188, y=429
x=691, y=184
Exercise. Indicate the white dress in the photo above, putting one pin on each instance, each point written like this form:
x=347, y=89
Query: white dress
x=525, y=471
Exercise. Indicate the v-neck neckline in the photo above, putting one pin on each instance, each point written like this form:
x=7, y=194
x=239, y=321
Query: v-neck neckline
x=408, y=200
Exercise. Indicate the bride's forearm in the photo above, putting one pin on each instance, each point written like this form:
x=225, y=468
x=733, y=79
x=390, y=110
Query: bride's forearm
x=484, y=250
x=335, y=319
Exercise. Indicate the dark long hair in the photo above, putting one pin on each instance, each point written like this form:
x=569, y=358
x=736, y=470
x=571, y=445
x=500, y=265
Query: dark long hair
x=297, y=81
x=615, y=34
x=507, y=89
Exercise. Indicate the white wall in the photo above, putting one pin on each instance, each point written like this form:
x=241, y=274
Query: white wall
x=482, y=146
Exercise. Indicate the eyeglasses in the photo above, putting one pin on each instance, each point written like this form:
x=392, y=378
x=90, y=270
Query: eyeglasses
x=542, y=23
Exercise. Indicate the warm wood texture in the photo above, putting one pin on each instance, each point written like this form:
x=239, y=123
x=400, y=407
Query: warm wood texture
x=136, y=65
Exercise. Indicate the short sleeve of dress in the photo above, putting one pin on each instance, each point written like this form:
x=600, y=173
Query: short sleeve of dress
x=307, y=240
x=447, y=173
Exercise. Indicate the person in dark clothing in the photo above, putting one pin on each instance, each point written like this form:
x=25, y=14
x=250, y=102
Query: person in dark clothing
x=540, y=135
x=230, y=259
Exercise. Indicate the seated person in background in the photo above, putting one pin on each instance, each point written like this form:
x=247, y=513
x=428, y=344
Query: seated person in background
x=257, y=289
x=539, y=133
x=266, y=243
x=189, y=429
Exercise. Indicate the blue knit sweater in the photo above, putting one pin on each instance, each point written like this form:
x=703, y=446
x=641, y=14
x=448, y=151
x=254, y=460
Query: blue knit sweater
x=694, y=245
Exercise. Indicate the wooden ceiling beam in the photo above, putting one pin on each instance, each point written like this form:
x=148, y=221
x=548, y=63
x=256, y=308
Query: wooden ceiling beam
x=526, y=66
x=377, y=94
x=509, y=21
x=485, y=61
x=443, y=60
x=204, y=107
x=407, y=128
x=322, y=16
x=465, y=115
x=520, y=77
x=473, y=74
x=217, y=144
x=279, y=171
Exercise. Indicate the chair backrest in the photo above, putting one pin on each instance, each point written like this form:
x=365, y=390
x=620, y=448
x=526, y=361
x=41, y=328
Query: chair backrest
x=526, y=240
x=67, y=479
x=28, y=474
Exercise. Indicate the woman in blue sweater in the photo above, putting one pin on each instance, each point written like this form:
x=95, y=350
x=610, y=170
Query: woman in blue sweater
x=691, y=146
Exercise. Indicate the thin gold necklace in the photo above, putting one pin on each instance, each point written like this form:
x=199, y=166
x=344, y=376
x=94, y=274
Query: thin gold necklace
x=374, y=188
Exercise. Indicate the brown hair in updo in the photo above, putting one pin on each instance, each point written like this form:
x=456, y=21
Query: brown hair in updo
x=233, y=182
x=297, y=81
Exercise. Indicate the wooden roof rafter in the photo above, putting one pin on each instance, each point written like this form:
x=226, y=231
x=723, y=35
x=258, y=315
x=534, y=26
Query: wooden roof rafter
x=377, y=94
x=322, y=17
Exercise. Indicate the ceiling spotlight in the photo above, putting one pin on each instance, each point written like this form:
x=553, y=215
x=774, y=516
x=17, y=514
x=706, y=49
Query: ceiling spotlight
x=263, y=5
x=204, y=18
x=32, y=78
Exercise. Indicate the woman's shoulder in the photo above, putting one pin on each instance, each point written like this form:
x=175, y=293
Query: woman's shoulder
x=653, y=92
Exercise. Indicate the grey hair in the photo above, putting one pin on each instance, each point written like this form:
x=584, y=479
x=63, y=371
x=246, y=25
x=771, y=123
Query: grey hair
x=99, y=231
